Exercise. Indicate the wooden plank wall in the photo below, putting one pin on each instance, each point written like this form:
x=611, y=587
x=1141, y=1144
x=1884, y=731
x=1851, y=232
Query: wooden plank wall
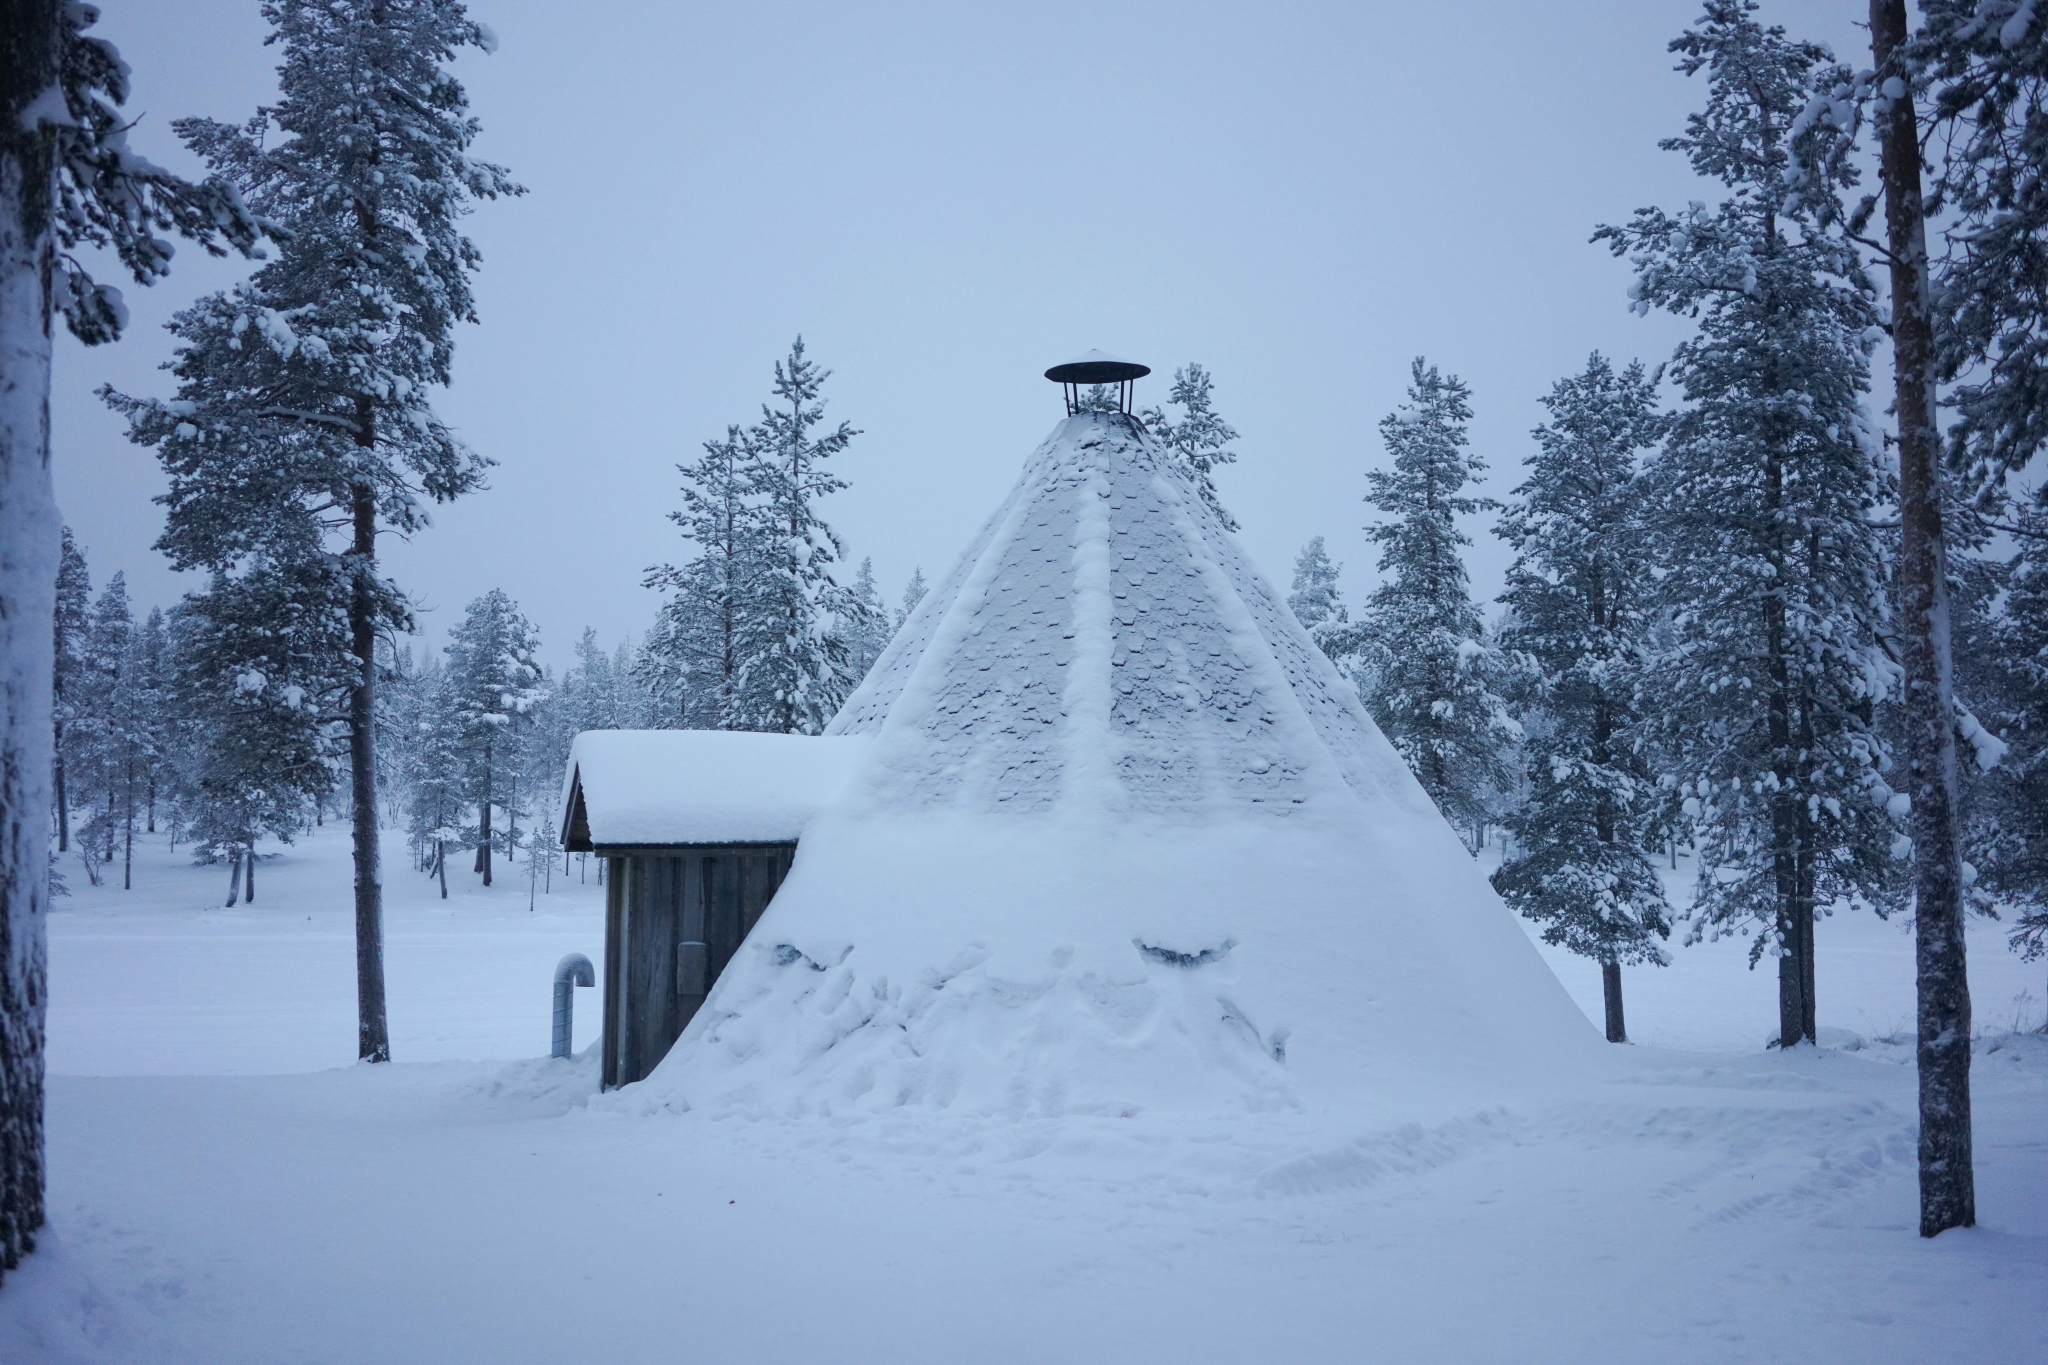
x=614, y=954
x=656, y=902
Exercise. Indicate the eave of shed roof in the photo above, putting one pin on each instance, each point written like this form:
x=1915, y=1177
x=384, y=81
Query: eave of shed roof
x=677, y=788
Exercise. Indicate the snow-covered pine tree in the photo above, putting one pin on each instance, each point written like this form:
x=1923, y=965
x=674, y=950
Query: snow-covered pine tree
x=101, y=748
x=68, y=180
x=261, y=674
x=495, y=682
x=1988, y=249
x=1579, y=595
x=1314, y=598
x=74, y=605
x=2003, y=656
x=135, y=716
x=540, y=859
x=1985, y=64
x=793, y=656
x=633, y=705
x=1199, y=437
x=1430, y=678
x=544, y=755
x=587, y=691
x=590, y=695
x=1947, y=1178
x=1759, y=510
x=868, y=635
x=302, y=425
x=693, y=656
x=435, y=767
x=913, y=593
x=150, y=672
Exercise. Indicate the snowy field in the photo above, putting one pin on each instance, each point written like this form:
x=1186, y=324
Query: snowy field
x=226, y=1187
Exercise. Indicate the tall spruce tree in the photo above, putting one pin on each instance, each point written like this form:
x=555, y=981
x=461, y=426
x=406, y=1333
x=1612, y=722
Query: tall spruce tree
x=435, y=768
x=495, y=684
x=1978, y=319
x=302, y=426
x=260, y=673
x=1428, y=675
x=1579, y=595
x=134, y=715
x=151, y=672
x=1761, y=507
x=2003, y=651
x=1198, y=437
x=1314, y=598
x=794, y=668
x=74, y=603
x=913, y=593
x=695, y=653
x=1973, y=298
x=1985, y=65
x=867, y=635
x=101, y=731
x=1947, y=1178
x=589, y=689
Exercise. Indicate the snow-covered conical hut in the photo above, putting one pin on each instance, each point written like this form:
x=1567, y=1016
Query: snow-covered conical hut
x=1121, y=839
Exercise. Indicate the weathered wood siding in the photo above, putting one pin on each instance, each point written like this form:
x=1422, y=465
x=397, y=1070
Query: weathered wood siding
x=673, y=920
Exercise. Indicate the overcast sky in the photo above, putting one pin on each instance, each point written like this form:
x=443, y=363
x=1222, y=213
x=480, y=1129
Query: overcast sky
x=944, y=199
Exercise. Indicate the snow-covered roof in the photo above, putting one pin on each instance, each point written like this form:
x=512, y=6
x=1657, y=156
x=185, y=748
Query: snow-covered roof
x=1105, y=643
x=639, y=788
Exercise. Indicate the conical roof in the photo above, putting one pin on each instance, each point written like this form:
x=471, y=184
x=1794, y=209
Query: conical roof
x=1104, y=646
x=1123, y=838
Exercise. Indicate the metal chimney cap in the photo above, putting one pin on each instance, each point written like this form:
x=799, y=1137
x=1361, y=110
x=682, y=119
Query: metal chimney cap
x=1097, y=368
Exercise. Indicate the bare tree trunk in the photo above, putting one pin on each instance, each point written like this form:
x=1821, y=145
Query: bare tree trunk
x=249, y=874
x=441, y=864
x=29, y=530
x=1610, y=990
x=234, y=877
x=1948, y=1193
x=373, y=1039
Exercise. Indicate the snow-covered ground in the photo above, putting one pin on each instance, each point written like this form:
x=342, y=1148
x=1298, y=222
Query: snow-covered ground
x=226, y=1187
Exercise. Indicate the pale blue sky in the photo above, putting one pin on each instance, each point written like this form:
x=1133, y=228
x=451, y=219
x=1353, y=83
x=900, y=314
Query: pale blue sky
x=945, y=199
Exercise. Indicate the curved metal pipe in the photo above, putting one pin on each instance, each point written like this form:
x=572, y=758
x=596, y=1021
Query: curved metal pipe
x=572, y=971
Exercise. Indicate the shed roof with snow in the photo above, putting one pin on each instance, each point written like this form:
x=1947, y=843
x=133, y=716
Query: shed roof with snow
x=627, y=789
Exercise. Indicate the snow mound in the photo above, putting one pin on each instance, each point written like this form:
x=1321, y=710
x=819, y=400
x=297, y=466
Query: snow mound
x=1121, y=840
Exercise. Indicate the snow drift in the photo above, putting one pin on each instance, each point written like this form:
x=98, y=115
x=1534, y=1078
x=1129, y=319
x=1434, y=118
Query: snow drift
x=1122, y=839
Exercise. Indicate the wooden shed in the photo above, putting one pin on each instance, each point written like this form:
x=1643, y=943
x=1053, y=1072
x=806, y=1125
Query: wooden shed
x=698, y=828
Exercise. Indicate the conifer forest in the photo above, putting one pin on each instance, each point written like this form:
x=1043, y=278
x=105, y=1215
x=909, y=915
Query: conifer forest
x=1627, y=541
